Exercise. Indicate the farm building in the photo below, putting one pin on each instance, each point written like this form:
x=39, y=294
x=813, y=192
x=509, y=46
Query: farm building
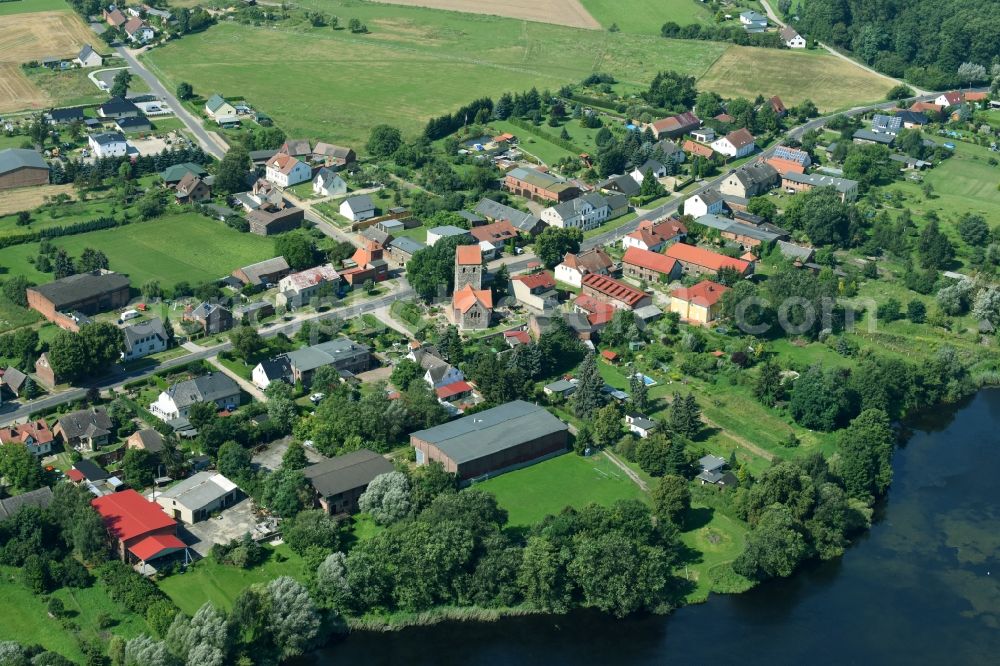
x=140, y=530
x=339, y=482
x=194, y=499
x=87, y=293
x=492, y=441
x=22, y=168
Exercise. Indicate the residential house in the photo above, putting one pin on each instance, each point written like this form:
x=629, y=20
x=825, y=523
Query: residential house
x=434, y=234
x=614, y=292
x=344, y=355
x=328, y=183
x=539, y=185
x=803, y=182
x=117, y=108
x=649, y=166
x=136, y=124
x=85, y=429
x=297, y=289
x=927, y=107
x=172, y=175
x=625, y=185
x=141, y=531
x=213, y=318
x=20, y=167
x=10, y=506
x=114, y=16
x=649, y=266
x=87, y=471
x=668, y=151
x=340, y=481
x=263, y=273
x=709, y=202
x=138, y=31
x=365, y=264
x=175, y=402
x=863, y=136
x=525, y=223
x=332, y=155
x=697, y=149
x=640, y=424
x=357, y=208
x=300, y=148
x=536, y=291
x=912, y=119
x=700, y=304
x=750, y=180
x=703, y=135
x=85, y=293
x=713, y=471
x=192, y=189
x=655, y=235
x=285, y=170
x=753, y=21
x=402, y=249
x=595, y=314
x=65, y=116
x=108, y=144
x=14, y=380
x=747, y=235
x=144, y=338
x=88, y=57
x=253, y=313
x=789, y=160
x=34, y=435
x=736, y=144
x=675, y=126
x=575, y=266
x=145, y=439
x=953, y=98
x=275, y=219
x=883, y=124
x=197, y=497
x=437, y=371
x=792, y=38
x=512, y=435
x=497, y=233
x=562, y=388
x=698, y=260
x=218, y=109
x=585, y=212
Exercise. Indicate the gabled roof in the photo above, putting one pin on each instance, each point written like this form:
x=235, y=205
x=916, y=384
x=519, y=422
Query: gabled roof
x=541, y=279
x=200, y=490
x=453, y=389
x=206, y=388
x=788, y=33
x=953, y=98
x=682, y=122
x=690, y=146
x=912, y=117
x=93, y=422
x=842, y=185
x=698, y=256
x=593, y=260
x=296, y=147
x=706, y=293
x=66, y=115
x=107, y=138
x=151, y=440
x=85, y=52
x=20, y=158
x=128, y=514
x=347, y=472
x=256, y=272
x=42, y=497
x=621, y=183
x=740, y=138
x=467, y=297
x=283, y=163
x=358, y=204
x=613, y=288
x=653, y=261
x=498, y=211
x=215, y=102
x=156, y=545
x=331, y=150
x=792, y=155
x=136, y=332
x=495, y=232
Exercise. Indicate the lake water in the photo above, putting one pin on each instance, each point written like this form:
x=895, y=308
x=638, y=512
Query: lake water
x=923, y=587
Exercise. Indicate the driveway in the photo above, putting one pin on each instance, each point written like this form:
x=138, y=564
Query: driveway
x=231, y=524
x=270, y=458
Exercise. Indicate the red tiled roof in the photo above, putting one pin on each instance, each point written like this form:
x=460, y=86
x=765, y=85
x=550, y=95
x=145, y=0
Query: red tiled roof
x=520, y=336
x=154, y=546
x=128, y=514
x=690, y=146
x=784, y=166
x=612, y=288
x=954, y=97
x=75, y=475
x=38, y=430
x=609, y=355
x=976, y=96
x=676, y=123
x=535, y=280
x=466, y=297
x=724, y=118
x=706, y=293
x=777, y=105
x=498, y=231
x=689, y=254
x=282, y=163
x=925, y=106
x=468, y=255
x=740, y=138
x=653, y=261
x=453, y=389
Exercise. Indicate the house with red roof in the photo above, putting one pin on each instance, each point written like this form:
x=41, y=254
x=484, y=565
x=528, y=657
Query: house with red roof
x=654, y=236
x=454, y=391
x=140, y=530
x=496, y=233
x=698, y=260
x=367, y=263
x=675, y=126
x=536, y=291
x=696, y=149
x=516, y=338
x=34, y=435
x=649, y=266
x=597, y=312
x=736, y=144
x=952, y=98
x=700, y=304
x=575, y=266
x=614, y=292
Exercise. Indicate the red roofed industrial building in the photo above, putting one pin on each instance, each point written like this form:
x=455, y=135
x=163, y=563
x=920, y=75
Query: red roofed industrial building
x=650, y=266
x=141, y=530
x=698, y=260
x=614, y=292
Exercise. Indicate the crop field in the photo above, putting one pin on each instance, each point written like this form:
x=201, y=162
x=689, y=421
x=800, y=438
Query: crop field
x=830, y=82
x=29, y=198
x=646, y=17
x=416, y=63
x=559, y=12
x=25, y=37
x=28, y=6
x=174, y=248
x=16, y=90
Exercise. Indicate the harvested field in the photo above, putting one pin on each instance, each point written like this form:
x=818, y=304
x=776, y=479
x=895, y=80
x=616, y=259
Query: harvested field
x=25, y=37
x=560, y=12
x=29, y=198
x=17, y=92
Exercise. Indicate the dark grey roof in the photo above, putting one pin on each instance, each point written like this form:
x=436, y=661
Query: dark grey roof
x=85, y=52
x=709, y=197
x=495, y=210
x=91, y=470
x=868, y=135
x=14, y=378
x=66, y=115
x=255, y=272
x=93, y=422
x=471, y=217
x=143, y=329
x=913, y=117
x=107, y=138
x=359, y=203
x=625, y=184
x=151, y=440
x=332, y=352
x=481, y=434
x=134, y=122
x=20, y=158
x=793, y=251
x=347, y=472
x=276, y=368
x=80, y=287
x=262, y=155
x=375, y=234
x=42, y=497
x=118, y=105
x=206, y=388
x=407, y=245
x=842, y=185
x=711, y=463
x=561, y=386
x=756, y=173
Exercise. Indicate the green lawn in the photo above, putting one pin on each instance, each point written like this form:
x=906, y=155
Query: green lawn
x=176, y=247
x=57, y=216
x=208, y=580
x=647, y=16
x=416, y=63
x=68, y=88
x=717, y=542
x=14, y=316
x=534, y=492
x=28, y=6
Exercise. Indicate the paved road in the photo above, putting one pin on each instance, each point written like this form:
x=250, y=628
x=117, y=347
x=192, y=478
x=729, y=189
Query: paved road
x=209, y=141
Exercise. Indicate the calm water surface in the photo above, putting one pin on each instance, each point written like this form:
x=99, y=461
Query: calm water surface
x=923, y=587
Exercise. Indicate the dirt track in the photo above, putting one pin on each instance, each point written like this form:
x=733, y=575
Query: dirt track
x=560, y=12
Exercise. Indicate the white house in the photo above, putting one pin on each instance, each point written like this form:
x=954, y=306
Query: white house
x=706, y=203
x=575, y=266
x=739, y=143
x=358, y=208
x=953, y=98
x=434, y=234
x=327, y=183
x=640, y=424
x=753, y=21
x=176, y=401
x=217, y=107
x=143, y=339
x=197, y=497
x=654, y=236
x=652, y=166
x=437, y=371
x=88, y=57
x=299, y=288
x=792, y=38
x=586, y=212
x=108, y=144
x=284, y=170
x=138, y=31
x=703, y=135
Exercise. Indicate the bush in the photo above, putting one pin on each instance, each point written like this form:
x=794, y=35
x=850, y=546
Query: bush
x=128, y=588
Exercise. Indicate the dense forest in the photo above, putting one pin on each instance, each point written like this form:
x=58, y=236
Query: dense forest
x=923, y=40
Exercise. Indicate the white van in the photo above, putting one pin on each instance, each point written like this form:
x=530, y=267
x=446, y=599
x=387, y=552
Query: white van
x=129, y=314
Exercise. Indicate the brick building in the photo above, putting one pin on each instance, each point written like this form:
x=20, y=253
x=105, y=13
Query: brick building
x=22, y=168
x=614, y=292
x=86, y=293
x=539, y=185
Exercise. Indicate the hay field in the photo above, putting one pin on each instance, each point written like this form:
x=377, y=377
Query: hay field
x=29, y=198
x=830, y=82
x=559, y=12
x=34, y=36
x=17, y=92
